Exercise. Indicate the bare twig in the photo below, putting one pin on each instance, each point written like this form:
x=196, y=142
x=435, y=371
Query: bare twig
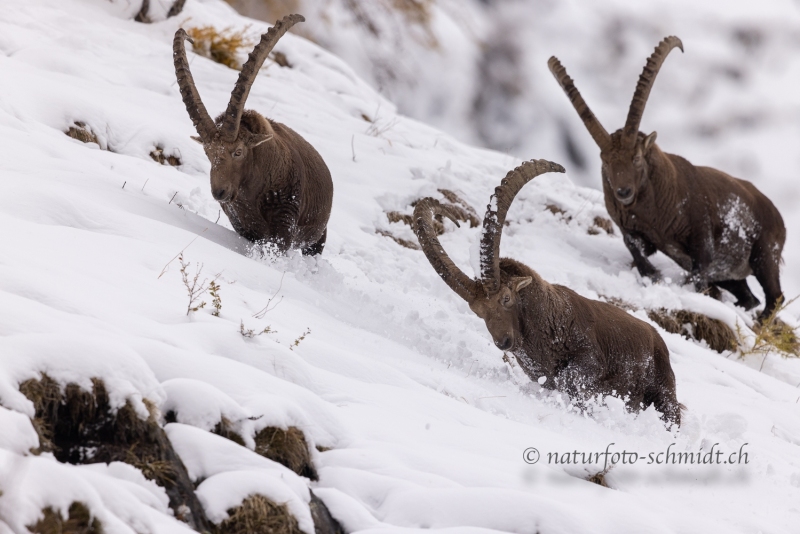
x=353, y=146
x=266, y=309
x=123, y=184
x=145, y=183
x=219, y=212
x=173, y=197
x=166, y=267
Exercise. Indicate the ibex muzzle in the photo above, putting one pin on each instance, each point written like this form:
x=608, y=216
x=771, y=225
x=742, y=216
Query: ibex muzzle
x=718, y=228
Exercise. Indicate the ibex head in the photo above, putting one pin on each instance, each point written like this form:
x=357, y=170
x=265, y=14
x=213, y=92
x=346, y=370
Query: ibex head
x=495, y=298
x=229, y=141
x=625, y=152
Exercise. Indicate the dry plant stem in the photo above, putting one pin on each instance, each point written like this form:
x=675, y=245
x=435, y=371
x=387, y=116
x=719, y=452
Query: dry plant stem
x=197, y=289
x=266, y=309
x=297, y=341
x=166, y=267
x=772, y=335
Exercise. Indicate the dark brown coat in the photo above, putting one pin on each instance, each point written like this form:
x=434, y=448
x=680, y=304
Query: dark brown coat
x=272, y=184
x=718, y=228
x=580, y=346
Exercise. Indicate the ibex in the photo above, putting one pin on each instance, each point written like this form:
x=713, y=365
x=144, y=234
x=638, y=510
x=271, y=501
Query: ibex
x=718, y=228
x=273, y=186
x=561, y=339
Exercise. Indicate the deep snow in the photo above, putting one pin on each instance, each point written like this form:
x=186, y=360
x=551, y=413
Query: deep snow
x=426, y=424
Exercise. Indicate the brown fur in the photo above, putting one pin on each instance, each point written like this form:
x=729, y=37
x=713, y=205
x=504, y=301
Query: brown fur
x=718, y=228
x=281, y=192
x=272, y=184
x=580, y=346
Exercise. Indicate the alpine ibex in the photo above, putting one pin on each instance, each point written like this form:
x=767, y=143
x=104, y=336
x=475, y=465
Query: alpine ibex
x=561, y=339
x=273, y=186
x=718, y=228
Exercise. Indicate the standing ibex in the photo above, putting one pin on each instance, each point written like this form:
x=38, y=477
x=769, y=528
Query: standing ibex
x=718, y=228
x=580, y=346
x=271, y=183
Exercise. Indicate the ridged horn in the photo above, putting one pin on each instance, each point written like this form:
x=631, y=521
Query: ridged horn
x=643, y=87
x=202, y=121
x=495, y=217
x=233, y=115
x=424, y=212
x=598, y=133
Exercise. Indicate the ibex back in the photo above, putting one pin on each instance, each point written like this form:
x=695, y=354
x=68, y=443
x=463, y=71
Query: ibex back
x=273, y=186
x=718, y=228
x=580, y=346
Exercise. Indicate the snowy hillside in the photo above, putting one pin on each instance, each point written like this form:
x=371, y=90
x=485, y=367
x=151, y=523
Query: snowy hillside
x=414, y=420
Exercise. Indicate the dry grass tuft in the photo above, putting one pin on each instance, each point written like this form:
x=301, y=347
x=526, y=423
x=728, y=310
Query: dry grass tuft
x=599, y=478
x=79, y=427
x=223, y=46
x=696, y=326
x=601, y=223
x=458, y=206
x=159, y=156
x=287, y=447
x=259, y=515
x=82, y=133
x=772, y=335
x=79, y=521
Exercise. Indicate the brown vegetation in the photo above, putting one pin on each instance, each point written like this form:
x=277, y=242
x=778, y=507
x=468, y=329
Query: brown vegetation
x=79, y=427
x=82, y=133
x=78, y=521
x=259, y=515
x=223, y=46
x=696, y=326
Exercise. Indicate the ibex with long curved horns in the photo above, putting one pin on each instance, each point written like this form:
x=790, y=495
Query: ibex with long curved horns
x=580, y=346
x=273, y=186
x=718, y=228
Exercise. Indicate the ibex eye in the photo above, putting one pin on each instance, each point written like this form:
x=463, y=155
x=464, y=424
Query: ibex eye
x=238, y=153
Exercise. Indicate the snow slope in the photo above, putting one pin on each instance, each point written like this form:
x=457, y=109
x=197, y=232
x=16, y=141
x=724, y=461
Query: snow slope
x=424, y=423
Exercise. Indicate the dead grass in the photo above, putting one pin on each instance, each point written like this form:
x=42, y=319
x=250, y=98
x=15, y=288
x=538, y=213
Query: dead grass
x=696, y=326
x=288, y=448
x=158, y=156
x=82, y=133
x=78, y=521
x=79, y=427
x=399, y=240
x=771, y=335
x=259, y=515
x=458, y=206
x=223, y=46
x=601, y=223
x=599, y=478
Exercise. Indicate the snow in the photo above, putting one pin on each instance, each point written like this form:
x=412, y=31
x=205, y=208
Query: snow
x=423, y=423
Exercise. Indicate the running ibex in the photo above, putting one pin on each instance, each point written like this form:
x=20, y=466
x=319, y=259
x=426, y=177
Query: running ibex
x=561, y=339
x=718, y=228
x=273, y=186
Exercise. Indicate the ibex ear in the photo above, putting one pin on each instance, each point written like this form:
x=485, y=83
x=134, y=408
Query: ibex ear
x=258, y=139
x=649, y=140
x=197, y=138
x=519, y=282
